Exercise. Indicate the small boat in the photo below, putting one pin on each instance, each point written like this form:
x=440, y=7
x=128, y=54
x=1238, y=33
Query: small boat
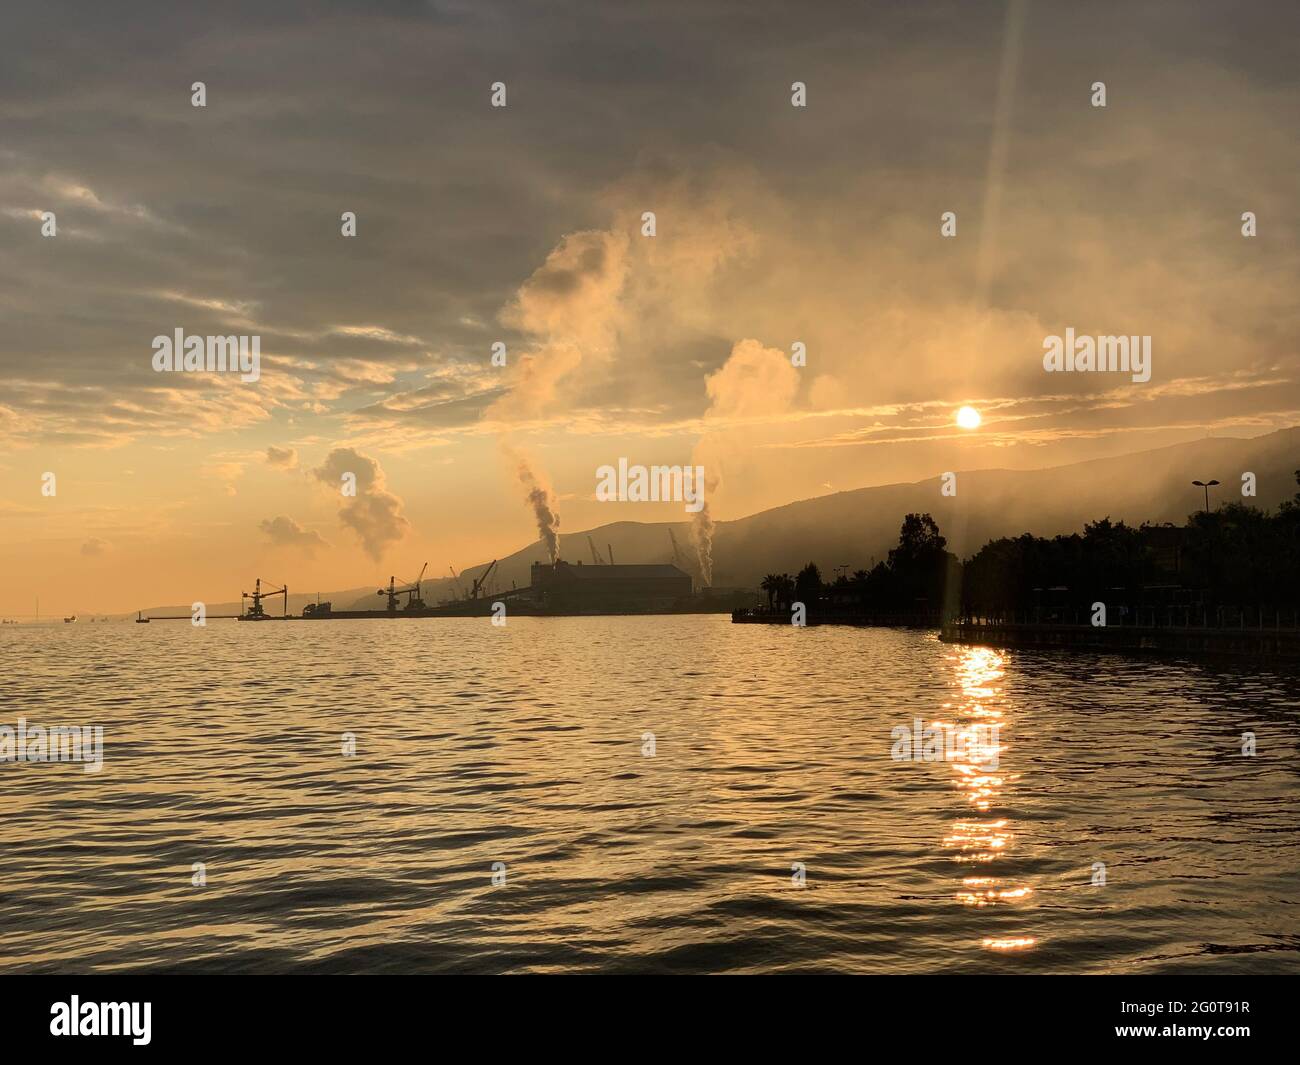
x=69, y=621
x=140, y=619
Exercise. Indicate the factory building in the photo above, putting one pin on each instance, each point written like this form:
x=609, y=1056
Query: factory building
x=608, y=588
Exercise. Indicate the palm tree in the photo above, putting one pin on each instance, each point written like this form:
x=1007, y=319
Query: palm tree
x=771, y=584
x=785, y=591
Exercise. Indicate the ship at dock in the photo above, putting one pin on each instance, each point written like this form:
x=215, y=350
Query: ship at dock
x=406, y=600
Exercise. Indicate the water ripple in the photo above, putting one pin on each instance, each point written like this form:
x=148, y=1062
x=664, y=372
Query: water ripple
x=504, y=811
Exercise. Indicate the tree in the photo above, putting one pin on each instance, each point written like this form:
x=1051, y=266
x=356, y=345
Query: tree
x=922, y=573
x=771, y=584
x=808, y=585
x=919, y=542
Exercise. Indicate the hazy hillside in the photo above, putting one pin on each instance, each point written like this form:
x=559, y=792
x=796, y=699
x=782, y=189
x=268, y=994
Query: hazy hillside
x=852, y=528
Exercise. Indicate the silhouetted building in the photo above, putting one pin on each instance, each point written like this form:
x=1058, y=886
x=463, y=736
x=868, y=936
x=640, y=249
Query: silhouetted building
x=616, y=588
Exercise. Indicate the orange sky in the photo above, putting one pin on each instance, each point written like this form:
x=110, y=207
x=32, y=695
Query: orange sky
x=774, y=225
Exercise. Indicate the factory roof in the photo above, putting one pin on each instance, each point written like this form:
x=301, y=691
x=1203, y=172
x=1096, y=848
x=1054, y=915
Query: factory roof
x=617, y=570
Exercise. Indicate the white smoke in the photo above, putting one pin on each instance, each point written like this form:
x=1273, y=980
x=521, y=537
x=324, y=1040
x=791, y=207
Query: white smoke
x=754, y=382
x=702, y=538
x=570, y=306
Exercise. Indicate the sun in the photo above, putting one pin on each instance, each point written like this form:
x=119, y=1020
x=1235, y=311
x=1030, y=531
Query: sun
x=969, y=418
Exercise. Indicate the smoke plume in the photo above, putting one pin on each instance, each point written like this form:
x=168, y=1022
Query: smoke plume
x=754, y=383
x=702, y=538
x=540, y=499
x=283, y=531
x=569, y=309
x=374, y=513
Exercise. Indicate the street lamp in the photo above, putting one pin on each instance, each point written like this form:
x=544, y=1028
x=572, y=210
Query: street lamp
x=1207, y=485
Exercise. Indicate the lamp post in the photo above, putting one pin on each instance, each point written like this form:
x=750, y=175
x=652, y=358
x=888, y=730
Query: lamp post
x=1207, y=485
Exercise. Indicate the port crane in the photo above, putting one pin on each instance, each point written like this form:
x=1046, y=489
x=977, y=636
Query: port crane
x=479, y=582
x=455, y=581
x=411, y=591
x=595, y=555
x=256, y=611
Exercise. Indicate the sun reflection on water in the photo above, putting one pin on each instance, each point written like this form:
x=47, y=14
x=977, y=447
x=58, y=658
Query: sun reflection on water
x=977, y=840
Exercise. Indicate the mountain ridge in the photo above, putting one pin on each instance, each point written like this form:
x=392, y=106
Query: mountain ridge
x=855, y=526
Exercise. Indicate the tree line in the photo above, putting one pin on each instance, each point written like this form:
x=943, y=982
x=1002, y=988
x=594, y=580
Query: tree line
x=1237, y=555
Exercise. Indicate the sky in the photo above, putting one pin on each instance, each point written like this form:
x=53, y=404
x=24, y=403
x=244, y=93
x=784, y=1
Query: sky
x=523, y=225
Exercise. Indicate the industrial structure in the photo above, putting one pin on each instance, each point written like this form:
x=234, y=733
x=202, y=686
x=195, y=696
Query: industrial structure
x=257, y=612
x=563, y=587
x=412, y=592
x=477, y=589
x=556, y=588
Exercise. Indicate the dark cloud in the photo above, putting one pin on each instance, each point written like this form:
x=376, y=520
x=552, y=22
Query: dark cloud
x=372, y=512
x=284, y=457
x=227, y=218
x=283, y=531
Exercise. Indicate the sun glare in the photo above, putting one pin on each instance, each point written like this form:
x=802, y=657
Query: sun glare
x=968, y=418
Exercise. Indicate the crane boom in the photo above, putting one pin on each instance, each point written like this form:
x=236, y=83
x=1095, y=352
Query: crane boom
x=257, y=595
x=411, y=591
